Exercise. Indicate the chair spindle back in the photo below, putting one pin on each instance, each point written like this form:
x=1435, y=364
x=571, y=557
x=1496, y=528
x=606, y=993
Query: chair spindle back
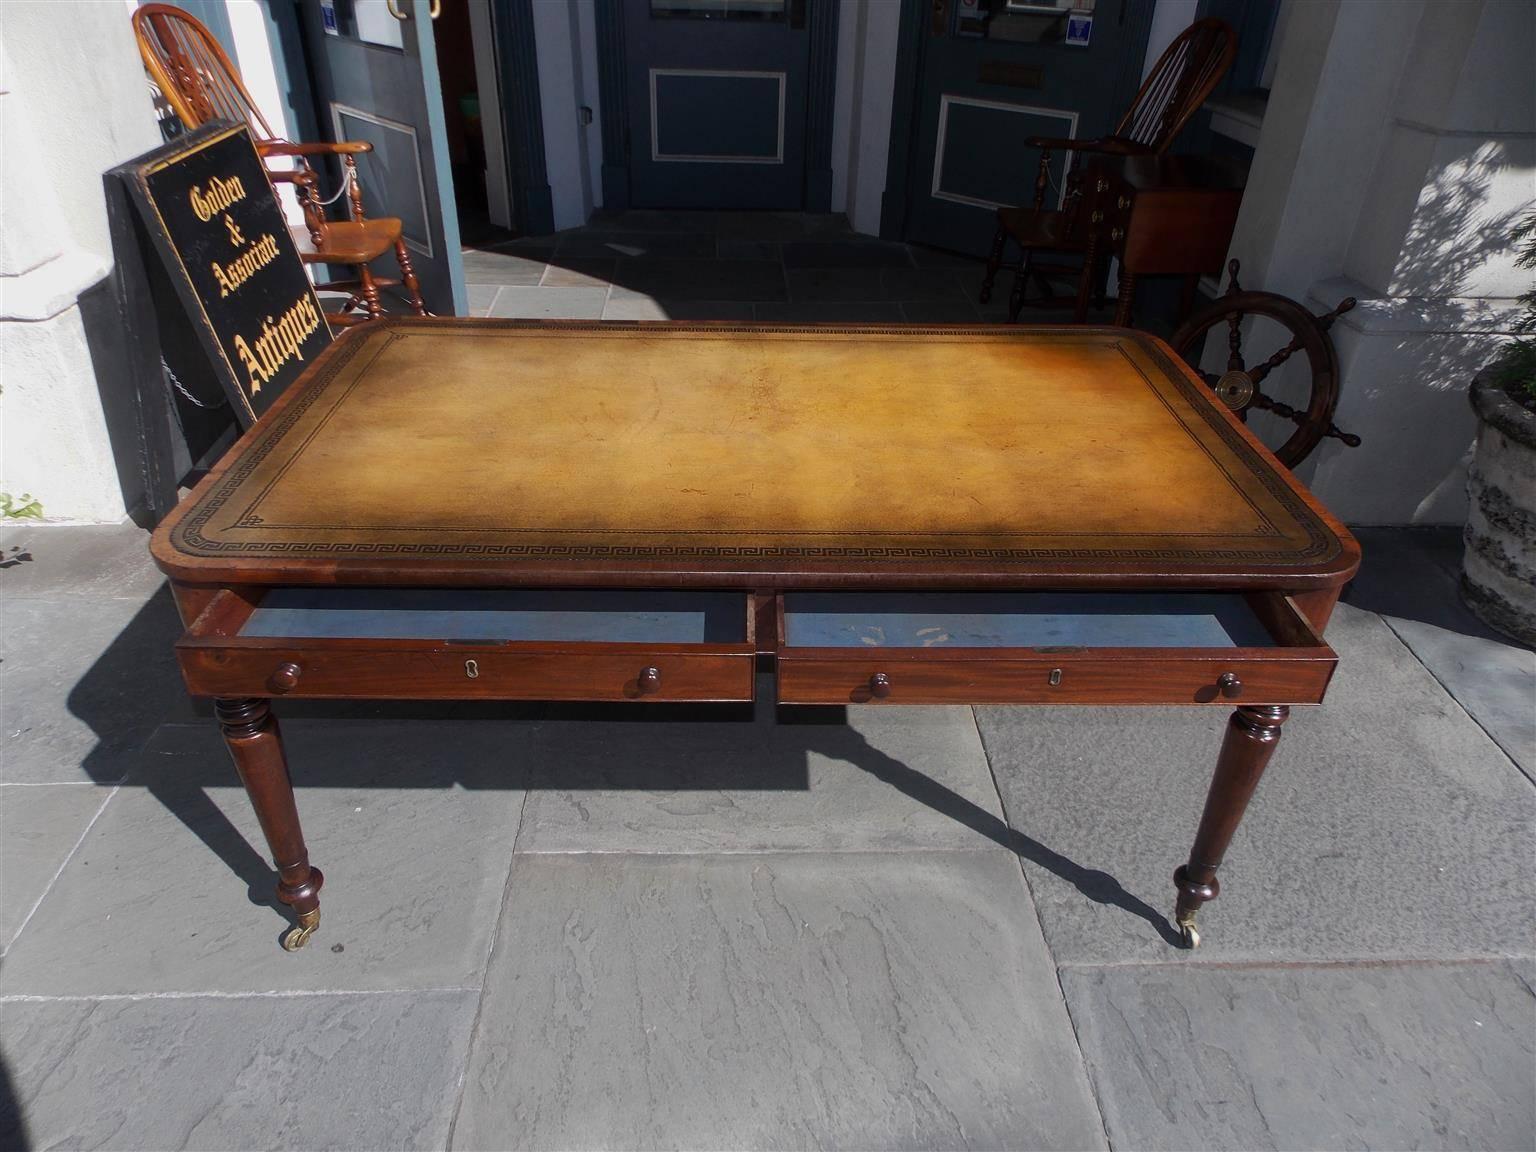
x=1179, y=83
x=193, y=72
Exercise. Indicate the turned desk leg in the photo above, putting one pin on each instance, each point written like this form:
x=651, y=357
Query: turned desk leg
x=251, y=732
x=1252, y=735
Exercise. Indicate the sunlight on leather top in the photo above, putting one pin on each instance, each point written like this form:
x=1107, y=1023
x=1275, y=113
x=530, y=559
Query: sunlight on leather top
x=601, y=440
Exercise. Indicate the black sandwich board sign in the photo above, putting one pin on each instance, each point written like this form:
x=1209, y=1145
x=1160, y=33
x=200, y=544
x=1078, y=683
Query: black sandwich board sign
x=209, y=211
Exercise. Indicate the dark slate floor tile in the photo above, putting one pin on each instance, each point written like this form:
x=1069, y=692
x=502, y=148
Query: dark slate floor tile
x=634, y=307
x=831, y=312
x=1404, y=1056
x=1388, y=826
x=731, y=248
x=516, y=302
x=341, y=1072
x=872, y=284
x=500, y=267
x=925, y=257
x=635, y=245
x=701, y=279
x=653, y=220
x=940, y=312
x=845, y=254
x=852, y=1000
x=84, y=682
x=531, y=247
x=1414, y=573
x=39, y=827
x=578, y=272
x=96, y=560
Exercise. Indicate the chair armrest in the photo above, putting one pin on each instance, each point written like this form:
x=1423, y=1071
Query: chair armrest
x=291, y=176
x=1055, y=143
x=1110, y=145
x=283, y=148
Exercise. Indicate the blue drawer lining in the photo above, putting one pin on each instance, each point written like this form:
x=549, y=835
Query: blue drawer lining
x=1021, y=620
x=641, y=617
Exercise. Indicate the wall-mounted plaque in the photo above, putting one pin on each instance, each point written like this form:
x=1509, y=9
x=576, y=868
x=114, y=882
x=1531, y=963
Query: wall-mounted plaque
x=211, y=213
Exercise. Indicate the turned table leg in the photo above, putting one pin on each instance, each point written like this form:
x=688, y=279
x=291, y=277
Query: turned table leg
x=251, y=732
x=1252, y=735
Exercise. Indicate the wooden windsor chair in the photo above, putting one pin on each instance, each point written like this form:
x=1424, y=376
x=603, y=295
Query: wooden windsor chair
x=1181, y=80
x=201, y=84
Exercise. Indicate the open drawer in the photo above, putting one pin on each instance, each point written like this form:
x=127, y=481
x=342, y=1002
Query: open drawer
x=423, y=644
x=1047, y=648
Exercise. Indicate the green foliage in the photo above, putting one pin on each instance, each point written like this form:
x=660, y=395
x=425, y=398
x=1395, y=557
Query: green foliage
x=1515, y=369
x=19, y=508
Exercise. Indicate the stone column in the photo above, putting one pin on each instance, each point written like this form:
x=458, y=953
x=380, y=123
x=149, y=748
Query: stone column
x=1398, y=149
x=74, y=102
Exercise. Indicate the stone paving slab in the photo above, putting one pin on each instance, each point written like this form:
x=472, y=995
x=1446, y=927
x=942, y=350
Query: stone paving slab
x=171, y=890
x=83, y=682
x=890, y=779
x=67, y=560
x=534, y=303
x=1494, y=682
x=846, y=1001
x=1388, y=824
x=40, y=824
x=1381, y=1056
x=295, y=1072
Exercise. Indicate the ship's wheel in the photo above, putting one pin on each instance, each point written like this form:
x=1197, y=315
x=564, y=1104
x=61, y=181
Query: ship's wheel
x=1240, y=386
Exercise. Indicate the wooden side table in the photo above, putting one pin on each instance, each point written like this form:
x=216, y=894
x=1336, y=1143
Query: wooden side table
x=1162, y=216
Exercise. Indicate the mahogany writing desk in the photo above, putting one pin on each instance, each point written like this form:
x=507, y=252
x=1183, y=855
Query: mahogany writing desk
x=457, y=509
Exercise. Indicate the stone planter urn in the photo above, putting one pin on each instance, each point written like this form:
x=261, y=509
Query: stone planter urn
x=1498, y=576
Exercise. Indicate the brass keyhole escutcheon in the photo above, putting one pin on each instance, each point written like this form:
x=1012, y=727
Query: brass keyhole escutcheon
x=1055, y=677
x=1235, y=389
x=472, y=668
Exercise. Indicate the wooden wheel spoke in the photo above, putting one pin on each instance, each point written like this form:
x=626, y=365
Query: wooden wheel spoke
x=1257, y=374
x=1235, y=342
x=1278, y=407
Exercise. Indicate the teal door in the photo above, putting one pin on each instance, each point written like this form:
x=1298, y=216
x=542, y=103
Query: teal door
x=373, y=69
x=717, y=102
x=989, y=79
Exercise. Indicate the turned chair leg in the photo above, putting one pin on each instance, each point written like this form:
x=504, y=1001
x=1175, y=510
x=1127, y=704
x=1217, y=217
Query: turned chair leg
x=1125, y=300
x=1020, y=281
x=994, y=262
x=251, y=732
x=369, y=291
x=1251, y=739
x=408, y=278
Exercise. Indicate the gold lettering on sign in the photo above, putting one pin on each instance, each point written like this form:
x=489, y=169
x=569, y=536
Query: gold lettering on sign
x=230, y=276
x=220, y=195
x=278, y=342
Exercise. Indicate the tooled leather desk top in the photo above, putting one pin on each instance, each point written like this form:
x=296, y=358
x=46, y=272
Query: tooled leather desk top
x=480, y=451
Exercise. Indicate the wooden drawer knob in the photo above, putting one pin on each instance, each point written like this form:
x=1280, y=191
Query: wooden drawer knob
x=649, y=679
x=286, y=678
x=1229, y=685
x=880, y=685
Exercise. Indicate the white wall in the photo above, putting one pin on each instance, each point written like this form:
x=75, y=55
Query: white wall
x=1397, y=184
x=568, y=145
x=72, y=106
x=861, y=112
x=1169, y=18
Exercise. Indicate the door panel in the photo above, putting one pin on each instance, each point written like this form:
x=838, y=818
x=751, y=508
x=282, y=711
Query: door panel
x=717, y=93
x=980, y=97
x=375, y=78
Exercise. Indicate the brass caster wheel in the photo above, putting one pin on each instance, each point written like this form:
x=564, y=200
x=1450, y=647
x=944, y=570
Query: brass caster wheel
x=296, y=937
x=1189, y=936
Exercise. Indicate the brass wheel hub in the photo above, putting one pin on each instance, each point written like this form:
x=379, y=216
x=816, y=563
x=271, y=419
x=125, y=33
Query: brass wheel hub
x=1235, y=389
